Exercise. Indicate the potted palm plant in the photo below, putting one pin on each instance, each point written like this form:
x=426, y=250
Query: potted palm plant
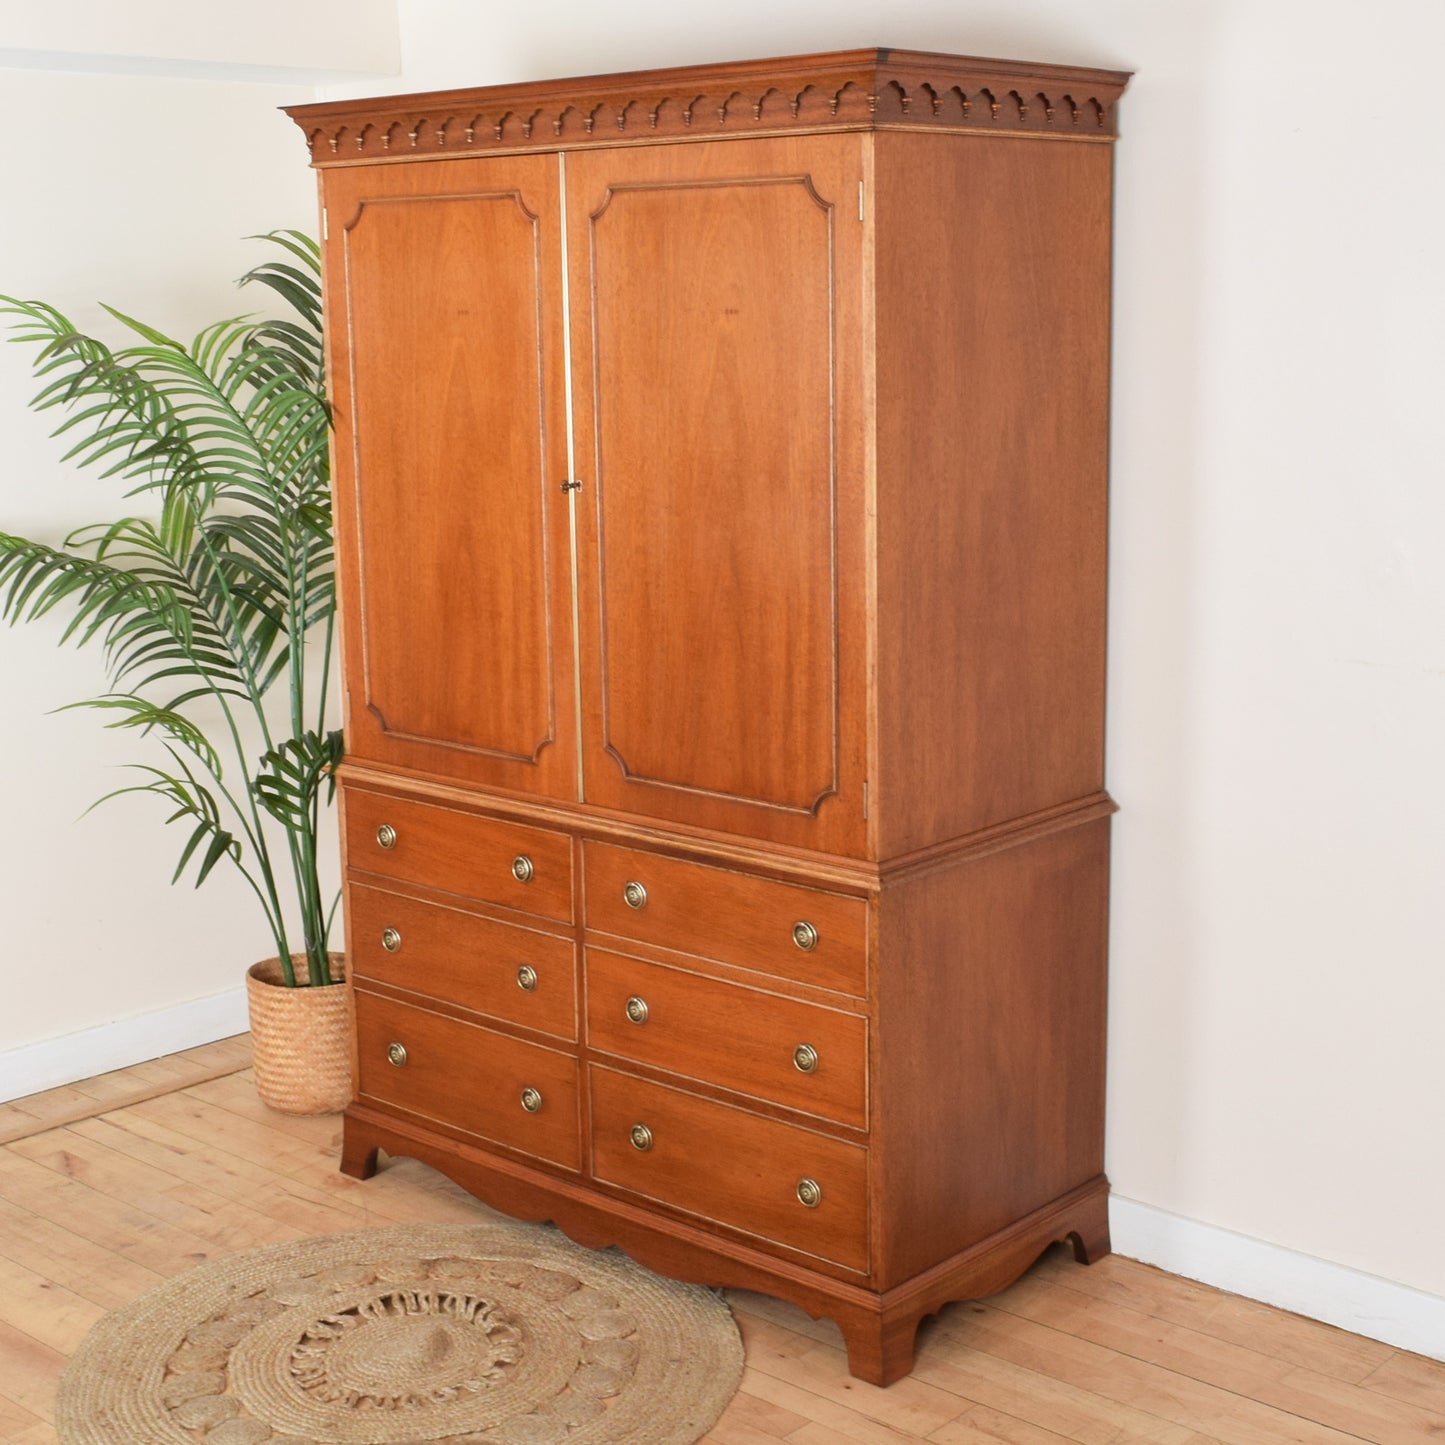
x=214, y=607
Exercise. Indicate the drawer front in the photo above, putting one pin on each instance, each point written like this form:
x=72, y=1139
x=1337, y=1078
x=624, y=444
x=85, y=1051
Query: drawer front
x=793, y=1053
x=498, y=969
x=733, y=917
x=461, y=853
x=735, y=1168
x=468, y=1077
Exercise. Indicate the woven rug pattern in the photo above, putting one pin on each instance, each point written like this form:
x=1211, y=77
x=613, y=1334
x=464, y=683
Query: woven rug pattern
x=496, y=1334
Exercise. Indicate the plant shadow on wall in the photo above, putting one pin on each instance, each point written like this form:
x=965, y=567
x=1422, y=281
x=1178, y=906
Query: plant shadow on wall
x=206, y=607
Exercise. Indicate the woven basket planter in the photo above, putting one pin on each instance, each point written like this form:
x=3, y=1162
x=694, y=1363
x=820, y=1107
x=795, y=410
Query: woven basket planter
x=300, y=1039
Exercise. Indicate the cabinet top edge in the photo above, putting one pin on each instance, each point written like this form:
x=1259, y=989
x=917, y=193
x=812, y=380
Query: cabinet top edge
x=876, y=88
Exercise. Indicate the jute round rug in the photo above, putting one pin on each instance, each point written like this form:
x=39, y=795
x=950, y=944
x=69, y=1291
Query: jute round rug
x=464, y=1334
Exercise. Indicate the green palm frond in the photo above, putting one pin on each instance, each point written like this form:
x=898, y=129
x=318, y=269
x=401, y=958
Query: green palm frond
x=298, y=284
x=298, y=281
x=288, y=779
x=128, y=610
x=194, y=803
x=203, y=642
x=222, y=593
x=136, y=712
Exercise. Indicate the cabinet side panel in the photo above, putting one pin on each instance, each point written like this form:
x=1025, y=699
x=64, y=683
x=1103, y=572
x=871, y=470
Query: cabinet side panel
x=992, y=372
x=989, y=1096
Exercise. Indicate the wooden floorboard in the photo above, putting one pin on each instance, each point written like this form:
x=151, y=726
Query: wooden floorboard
x=111, y=1185
x=15, y=1422
x=1412, y=1378
x=73, y=1102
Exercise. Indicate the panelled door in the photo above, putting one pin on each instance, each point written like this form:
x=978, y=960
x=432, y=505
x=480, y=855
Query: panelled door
x=716, y=294
x=448, y=377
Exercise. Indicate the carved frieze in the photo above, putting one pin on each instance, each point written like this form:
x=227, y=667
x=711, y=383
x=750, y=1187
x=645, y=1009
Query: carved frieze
x=848, y=90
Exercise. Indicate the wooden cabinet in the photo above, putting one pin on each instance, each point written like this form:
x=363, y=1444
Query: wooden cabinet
x=721, y=480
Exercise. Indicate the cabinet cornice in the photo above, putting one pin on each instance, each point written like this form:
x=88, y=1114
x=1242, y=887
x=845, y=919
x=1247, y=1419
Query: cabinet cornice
x=877, y=89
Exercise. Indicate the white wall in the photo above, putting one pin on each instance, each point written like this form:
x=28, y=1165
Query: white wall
x=1278, y=648
x=1277, y=708
x=278, y=40
x=136, y=189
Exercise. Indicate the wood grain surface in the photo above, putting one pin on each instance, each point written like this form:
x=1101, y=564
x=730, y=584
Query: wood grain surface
x=469, y=1077
x=989, y=1068
x=739, y=1038
x=729, y=915
x=444, y=320
x=460, y=852
x=731, y=1167
x=721, y=538
x=464, y=959
x=993, y=415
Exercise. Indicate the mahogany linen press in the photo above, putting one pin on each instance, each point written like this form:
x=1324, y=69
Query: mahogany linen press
x=721, y=477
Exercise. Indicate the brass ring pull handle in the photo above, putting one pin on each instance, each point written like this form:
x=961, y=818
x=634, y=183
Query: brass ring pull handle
x=637, y=1009
x=634, y=895
x=396, y=1055
x=522, y=869
x=386, y=836
x=390, y=940
x=805, y=936
x=531, y=1100
x=810, y=1194
x=805, y=1059
x=641, y=1137
x=527, y=978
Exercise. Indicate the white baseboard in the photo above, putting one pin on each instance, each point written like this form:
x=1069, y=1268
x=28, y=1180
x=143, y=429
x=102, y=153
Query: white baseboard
x=1368, y=1305
x=32, y=1068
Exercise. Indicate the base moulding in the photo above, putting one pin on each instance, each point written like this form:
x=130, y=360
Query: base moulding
x=878, y=1328
x=51, y=1063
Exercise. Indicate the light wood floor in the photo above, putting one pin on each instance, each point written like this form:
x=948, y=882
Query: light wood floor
x=111, y=1185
